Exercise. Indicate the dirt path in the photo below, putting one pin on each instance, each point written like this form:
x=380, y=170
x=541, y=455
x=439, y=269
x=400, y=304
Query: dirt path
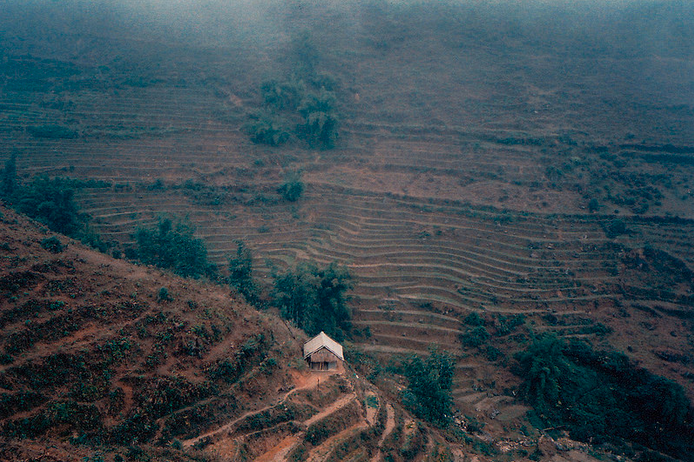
x=390, y=425
x=280, y=451
x=339, y=404
x=302, y=382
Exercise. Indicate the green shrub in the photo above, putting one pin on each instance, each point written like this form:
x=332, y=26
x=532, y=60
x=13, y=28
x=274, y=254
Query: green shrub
x=475, y=337
x=283, y=95
x=241, y=273
x=52, y=244
x=320, y=122
x=292, y=188
x=52, y=132
x=615, y=228
x=474, y=319
x=266, y=128
x=163, y=295
x=50, y=201
x=9, y=177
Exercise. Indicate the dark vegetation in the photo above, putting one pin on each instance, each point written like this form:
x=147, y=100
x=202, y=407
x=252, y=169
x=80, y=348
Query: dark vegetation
x=526, y=64
x=301, y=107
x=241, y=274
x=292, y=188
x=313, y=297
x=428, y=394
x=51, y=202
x=603, y=397
x=173, y=246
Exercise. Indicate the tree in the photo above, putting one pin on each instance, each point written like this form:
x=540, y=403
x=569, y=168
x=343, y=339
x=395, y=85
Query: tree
x=284, y=95
x=428, y=394
x=173, y=248
x=241, y=273
x=601, y=396
x=292, y=188
x=543, y=365
x=320, y=121
x=314, y=298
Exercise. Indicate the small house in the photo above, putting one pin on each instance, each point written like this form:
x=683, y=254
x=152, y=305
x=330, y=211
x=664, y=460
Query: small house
x=323, y=353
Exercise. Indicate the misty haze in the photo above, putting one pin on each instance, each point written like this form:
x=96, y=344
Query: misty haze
x=359, y=230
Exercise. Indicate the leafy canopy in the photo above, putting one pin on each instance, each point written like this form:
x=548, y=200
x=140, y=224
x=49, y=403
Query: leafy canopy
x=314, y=298
x=603, y=397
x=50, y=201
x=292, y=188
x=241, y=273
x=173, y=247
x=428, y=394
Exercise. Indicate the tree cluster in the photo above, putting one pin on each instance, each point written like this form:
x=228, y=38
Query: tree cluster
x=602, y=397
x=173, y=247
x=428, y=394
x=241, y=274
x=313, y=297
x=49, y=201
x=302, y=106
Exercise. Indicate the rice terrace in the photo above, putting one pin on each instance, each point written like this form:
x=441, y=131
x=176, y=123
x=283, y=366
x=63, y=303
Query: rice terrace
x=499, y=194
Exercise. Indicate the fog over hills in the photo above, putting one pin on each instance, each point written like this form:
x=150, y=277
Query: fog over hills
x=509, y=183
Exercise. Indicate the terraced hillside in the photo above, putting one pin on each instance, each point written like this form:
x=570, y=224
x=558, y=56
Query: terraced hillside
x=502, y=162
x=98, y=362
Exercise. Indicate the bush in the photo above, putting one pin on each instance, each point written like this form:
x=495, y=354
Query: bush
x=292, y=188
x=241, y=273
x=52, y=244
x=615, y=228
x=474, y=319
x=266, y=128
x=320, y=122
x=164, y=295
x=283, y=95
x=475, y=337
x=9, y=177
x=52, y=132
x=50, y=201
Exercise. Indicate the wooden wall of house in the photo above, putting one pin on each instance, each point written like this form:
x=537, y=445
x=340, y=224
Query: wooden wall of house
x=323, y=356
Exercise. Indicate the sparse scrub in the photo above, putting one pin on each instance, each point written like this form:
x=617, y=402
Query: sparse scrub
x=332, y=424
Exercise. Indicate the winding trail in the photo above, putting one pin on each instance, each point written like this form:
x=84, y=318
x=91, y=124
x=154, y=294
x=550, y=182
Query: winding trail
x=303, y=383
x=390, y=425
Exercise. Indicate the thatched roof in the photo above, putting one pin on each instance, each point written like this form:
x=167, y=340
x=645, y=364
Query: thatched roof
x=322, y=341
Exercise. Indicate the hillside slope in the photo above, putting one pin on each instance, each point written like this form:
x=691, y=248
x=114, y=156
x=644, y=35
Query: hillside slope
x=99, y=362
